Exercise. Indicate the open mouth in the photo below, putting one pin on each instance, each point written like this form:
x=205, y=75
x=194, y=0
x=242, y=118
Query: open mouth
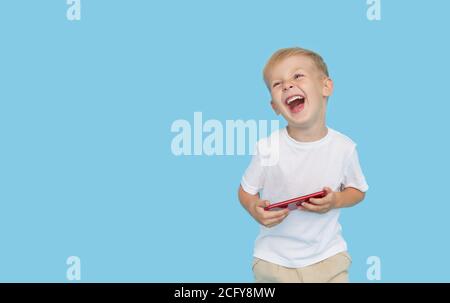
x=295, y=103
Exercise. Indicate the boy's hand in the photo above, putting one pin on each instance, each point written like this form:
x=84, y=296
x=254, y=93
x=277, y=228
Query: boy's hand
x=321, y=205
x=268, y=218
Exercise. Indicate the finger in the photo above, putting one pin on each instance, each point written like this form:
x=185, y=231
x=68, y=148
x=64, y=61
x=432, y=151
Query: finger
x=321, y=201
x=318, y=201
x=327, y=189
x=313, y=200
x=274, y=221
x=263, y=203
x=273, y=214
x=270, y=214
x=313, y=208
x=272, y=225
x=280, y=218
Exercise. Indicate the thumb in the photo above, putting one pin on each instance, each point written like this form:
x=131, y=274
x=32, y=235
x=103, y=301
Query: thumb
x=327, y=189
x=263, y=203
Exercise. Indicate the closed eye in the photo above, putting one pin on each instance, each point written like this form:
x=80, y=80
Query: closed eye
x=275, y=84
x=298, y=76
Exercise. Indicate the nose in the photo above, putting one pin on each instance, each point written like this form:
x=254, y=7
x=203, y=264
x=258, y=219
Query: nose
x=287, y=86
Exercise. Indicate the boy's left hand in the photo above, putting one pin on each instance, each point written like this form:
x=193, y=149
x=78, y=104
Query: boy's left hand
x=321, y=205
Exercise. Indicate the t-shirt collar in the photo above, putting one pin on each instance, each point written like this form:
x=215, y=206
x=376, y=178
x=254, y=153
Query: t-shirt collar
x=303, y=144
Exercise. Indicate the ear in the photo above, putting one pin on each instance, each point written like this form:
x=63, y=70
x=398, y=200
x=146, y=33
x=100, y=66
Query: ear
x=327, y=87
x=275, y=107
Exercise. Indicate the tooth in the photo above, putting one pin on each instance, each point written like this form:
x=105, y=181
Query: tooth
x=293, y=98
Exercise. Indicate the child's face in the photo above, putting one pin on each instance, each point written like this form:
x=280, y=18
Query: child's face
x=299, y=91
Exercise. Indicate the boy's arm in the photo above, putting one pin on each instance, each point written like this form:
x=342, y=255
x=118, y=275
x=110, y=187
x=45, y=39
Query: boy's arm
x=349, y=197
x=247, y=200
x=255, y=207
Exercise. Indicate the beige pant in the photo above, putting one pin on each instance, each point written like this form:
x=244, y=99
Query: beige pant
x=331, y=270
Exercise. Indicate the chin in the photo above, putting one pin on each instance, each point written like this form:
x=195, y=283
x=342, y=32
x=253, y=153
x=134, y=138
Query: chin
x=296, y=121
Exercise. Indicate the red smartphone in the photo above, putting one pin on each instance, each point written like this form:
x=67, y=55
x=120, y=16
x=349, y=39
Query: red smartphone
x=298, y=200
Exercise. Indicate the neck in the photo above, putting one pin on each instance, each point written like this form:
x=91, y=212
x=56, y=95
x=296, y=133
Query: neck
x=310, y=134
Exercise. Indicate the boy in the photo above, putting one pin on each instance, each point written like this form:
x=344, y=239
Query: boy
x=304, y=244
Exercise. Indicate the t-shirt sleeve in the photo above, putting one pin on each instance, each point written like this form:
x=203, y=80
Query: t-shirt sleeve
x=353, y=175
x=253, y=178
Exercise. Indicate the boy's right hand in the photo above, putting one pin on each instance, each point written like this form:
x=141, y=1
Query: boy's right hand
x=268, y=218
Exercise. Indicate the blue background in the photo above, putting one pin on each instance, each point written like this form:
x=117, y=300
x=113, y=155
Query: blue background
x=86, y=107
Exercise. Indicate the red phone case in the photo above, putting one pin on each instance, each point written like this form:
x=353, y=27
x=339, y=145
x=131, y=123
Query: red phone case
x=298, y=200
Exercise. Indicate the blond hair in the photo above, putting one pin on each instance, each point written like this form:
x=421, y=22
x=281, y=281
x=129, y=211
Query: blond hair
x=284, y=53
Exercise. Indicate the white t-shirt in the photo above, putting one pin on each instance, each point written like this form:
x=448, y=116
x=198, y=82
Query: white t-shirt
x=284, y=168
